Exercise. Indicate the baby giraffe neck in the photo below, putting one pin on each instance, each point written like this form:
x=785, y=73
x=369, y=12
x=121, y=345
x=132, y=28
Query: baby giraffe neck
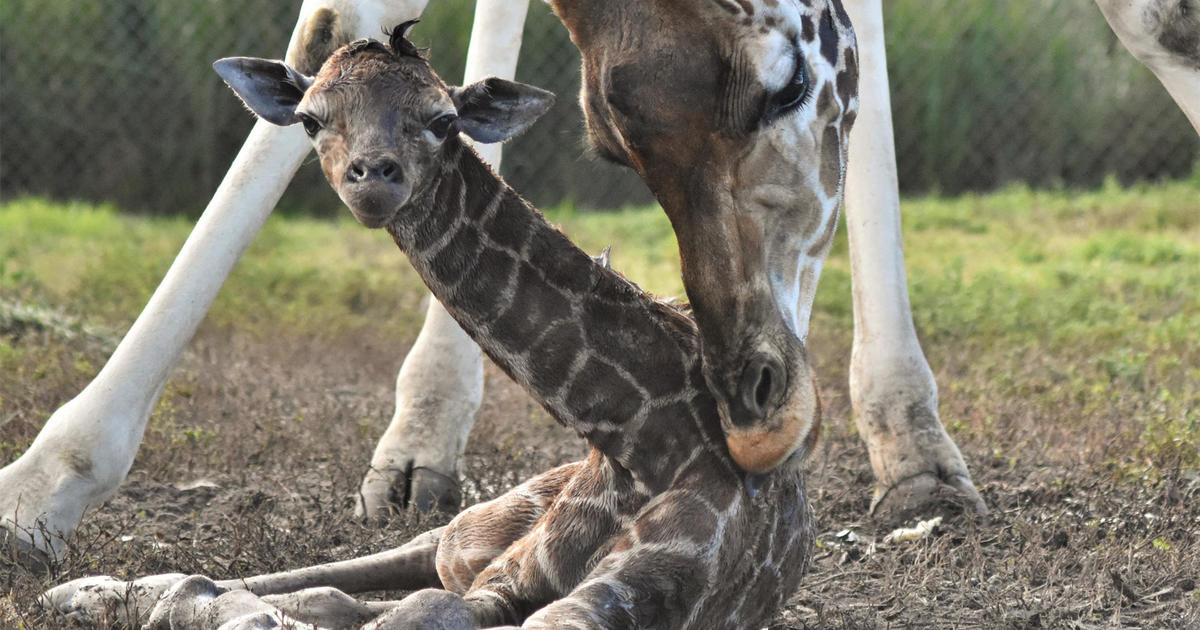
x=593, y=349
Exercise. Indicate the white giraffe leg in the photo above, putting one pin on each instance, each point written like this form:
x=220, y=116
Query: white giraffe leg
x=1165, y=36
x=440, y=385
x=891, y=386
x=86, y=447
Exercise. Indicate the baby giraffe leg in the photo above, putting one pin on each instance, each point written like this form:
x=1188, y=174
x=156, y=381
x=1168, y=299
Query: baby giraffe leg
x=410, y=566
x=556, y=552
x=430, y=609
x=326, y=607
x=448, y=556
x=481, y=533
x=197, y=602
x=470, y=544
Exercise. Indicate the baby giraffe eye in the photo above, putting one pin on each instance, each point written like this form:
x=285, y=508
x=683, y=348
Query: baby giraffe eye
x=311, y=126
x=440, y=126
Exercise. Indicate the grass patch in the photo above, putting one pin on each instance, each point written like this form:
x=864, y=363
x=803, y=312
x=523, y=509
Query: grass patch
x=1040, y=311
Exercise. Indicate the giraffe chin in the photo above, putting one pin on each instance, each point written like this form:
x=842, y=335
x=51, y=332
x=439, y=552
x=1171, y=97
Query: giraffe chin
x=789, y=439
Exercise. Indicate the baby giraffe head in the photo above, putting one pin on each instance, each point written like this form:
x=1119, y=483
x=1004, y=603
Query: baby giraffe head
x=379, y=116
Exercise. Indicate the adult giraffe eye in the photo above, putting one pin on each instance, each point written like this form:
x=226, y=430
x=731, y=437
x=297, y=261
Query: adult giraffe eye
x=311, y=126
x=440, y=126
x=793, y=94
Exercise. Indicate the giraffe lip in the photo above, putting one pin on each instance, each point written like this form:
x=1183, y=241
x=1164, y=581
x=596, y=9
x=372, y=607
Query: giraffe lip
x=375, y=205
x=761, y=450
x=781, y=439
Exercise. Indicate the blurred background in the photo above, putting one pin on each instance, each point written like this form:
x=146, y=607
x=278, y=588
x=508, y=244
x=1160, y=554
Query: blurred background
x=115, y=101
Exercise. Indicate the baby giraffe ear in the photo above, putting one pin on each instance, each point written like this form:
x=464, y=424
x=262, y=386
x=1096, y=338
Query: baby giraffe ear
x=271, y=89
x=494, y=110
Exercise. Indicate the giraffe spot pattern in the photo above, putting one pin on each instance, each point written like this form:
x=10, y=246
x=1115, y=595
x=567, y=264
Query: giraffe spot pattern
x=534, y=308
x=509, y=226
x=599, y=393
x=458, y=256
x=472, y=287
x=553, y=354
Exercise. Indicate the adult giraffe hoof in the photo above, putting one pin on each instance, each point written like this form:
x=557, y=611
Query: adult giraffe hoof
x=428, y=609
x=913, y=457
x=432, y=490
x=384, y=492
x=16, y=552
x=912, y=495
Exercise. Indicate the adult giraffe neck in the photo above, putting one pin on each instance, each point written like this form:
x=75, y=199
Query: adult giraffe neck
x=598, y=353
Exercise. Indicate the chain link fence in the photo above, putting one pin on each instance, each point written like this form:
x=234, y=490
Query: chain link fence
x=115, y=100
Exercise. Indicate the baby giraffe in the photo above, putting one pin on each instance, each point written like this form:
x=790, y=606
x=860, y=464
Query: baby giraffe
x=657, y=528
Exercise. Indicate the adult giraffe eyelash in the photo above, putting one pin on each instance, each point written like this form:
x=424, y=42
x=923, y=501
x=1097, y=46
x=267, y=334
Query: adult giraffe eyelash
x=793, y=95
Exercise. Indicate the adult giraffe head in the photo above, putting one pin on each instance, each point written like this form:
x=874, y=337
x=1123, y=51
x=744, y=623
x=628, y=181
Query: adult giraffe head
x=737, y=115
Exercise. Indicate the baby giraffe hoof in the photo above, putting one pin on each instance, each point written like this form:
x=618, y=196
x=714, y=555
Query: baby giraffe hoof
x=193, y=603
x=99, y=598
x=264, y=621
x=429, y=609
x=385, y=491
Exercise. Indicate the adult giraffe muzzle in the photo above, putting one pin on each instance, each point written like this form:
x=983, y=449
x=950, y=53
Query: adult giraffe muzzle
x=737, y=114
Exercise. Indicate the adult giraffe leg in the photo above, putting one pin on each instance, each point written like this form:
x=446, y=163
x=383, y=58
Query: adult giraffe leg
x=1165, y=36
x=891, y=386
x=84, y=451
x=440, y=385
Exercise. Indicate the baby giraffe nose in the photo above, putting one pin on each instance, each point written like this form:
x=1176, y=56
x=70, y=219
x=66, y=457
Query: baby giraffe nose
x=366, y=169
x=760, y=388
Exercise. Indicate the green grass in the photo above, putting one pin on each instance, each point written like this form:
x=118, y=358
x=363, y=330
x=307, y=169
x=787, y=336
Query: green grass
x=1085, y=306
x=1042, y=313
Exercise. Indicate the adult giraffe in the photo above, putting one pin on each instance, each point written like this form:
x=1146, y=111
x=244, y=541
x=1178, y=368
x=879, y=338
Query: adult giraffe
x=892, y=388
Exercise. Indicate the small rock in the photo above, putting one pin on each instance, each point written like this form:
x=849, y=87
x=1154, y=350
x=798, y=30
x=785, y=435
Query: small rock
x=847, y=535
x=1058, y=540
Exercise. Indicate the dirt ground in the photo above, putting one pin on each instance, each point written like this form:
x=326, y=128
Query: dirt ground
x=257, y=449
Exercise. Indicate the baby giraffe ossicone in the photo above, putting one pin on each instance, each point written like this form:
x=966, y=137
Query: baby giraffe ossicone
x=657, y=527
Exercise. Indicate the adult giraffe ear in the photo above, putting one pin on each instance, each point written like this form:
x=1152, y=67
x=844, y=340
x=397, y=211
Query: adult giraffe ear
x=271, y=89
x=494, y=110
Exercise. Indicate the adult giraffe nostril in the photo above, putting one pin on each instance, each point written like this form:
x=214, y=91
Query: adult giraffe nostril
x=762, y=383
x=763, y=391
